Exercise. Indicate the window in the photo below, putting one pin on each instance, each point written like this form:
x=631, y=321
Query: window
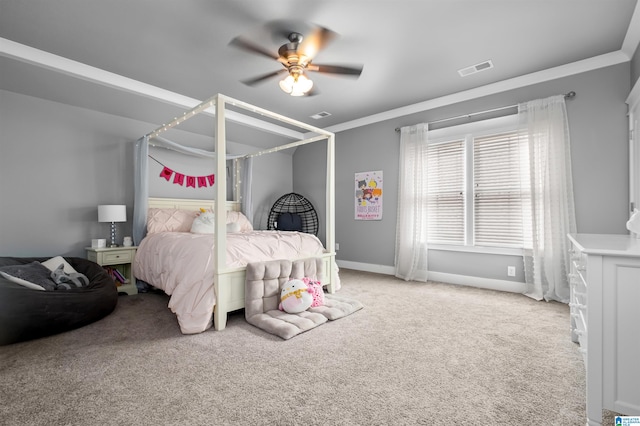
x=477, y=175
x=445, y=192
x=500, y=167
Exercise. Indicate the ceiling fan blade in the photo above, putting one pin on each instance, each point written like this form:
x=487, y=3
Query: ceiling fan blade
x=354, y=70
x=245, y=44
x=261, y=78
x=316, y=41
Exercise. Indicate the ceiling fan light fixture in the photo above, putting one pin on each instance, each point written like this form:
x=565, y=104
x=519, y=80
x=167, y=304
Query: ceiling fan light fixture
x=296, y=86
x=296, y=57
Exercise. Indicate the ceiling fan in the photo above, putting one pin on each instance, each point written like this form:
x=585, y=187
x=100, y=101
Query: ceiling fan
x=296, y=57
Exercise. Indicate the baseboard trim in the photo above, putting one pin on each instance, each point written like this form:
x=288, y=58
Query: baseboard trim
x=367, y=267
x=444, y=277
x=486, y=283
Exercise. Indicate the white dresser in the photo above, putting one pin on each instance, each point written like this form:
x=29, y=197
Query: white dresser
x=605, y=320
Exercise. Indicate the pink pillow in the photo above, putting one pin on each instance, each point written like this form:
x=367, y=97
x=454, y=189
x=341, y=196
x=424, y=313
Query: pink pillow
x=169, y=220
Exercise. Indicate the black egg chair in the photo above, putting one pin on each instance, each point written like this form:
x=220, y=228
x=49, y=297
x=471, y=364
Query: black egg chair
x=293, y=212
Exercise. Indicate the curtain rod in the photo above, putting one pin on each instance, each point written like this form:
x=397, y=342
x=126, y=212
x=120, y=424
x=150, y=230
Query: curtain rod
x=568, y=95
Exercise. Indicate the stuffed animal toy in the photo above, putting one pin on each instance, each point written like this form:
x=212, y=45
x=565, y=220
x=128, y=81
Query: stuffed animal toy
x=295, y=297
x=204, y=223
x=66, y=281
x=317, y=293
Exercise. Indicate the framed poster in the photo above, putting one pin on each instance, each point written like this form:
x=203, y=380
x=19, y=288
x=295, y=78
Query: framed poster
x=368, y=197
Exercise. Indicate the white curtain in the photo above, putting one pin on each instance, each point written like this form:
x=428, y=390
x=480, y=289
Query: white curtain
x=140, y=188
x=245, y=187
x=411, y=230
x=552, y=214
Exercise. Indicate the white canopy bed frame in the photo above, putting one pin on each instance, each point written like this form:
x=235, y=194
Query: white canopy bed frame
x=229, y=282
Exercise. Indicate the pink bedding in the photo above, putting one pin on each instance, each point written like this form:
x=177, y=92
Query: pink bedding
x=182, y=265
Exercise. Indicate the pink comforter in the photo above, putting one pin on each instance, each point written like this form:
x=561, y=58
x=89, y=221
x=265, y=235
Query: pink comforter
x=182, y=265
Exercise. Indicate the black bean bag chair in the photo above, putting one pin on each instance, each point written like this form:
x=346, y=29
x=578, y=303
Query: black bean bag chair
x=27, y=314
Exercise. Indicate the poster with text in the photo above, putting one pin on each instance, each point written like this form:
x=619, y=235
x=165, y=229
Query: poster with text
x=369, y=195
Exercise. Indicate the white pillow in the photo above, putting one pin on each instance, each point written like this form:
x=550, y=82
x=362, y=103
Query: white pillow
x=233, y=227
x=240, y=219
x=21, y=281
x=53, y=263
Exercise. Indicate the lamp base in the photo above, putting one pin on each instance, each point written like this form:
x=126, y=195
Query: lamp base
x=113, y=235
x=113, y=245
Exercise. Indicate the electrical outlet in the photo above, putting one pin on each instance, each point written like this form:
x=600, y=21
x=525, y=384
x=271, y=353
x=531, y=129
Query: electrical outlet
x=337, y=246
x=511, y=271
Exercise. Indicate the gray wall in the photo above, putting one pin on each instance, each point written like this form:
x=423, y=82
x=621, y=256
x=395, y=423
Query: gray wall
x=58, y=162
x=273, y=174
x=598, y=123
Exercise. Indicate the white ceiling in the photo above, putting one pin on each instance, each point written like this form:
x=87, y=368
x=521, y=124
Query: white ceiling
x=411, y=50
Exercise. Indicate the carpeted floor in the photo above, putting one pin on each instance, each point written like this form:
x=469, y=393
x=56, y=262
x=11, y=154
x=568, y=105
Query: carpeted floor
x=417, y=354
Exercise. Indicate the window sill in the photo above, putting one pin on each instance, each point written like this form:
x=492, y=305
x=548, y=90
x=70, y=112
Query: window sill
x=478, y=249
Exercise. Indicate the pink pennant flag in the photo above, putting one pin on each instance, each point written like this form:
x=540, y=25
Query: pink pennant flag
x=202, y=181
x=191, y=181
x=179, y=179
x=166, y=173
x=211, y=179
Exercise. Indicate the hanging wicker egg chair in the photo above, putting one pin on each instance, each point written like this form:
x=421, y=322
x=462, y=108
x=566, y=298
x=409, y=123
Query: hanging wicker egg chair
x=293, y=212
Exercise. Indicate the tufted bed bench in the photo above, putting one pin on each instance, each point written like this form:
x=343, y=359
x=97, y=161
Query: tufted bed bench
x=264, y=280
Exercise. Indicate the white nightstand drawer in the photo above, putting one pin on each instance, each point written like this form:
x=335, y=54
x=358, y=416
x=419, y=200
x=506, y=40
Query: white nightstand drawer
x=115, y=257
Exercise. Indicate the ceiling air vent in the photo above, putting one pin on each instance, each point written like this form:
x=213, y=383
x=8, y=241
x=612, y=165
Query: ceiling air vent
x=482, y=66
x=320, y=115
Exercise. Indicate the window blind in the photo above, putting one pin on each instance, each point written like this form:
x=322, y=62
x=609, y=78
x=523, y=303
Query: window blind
x=445, y=192
x=500, y=167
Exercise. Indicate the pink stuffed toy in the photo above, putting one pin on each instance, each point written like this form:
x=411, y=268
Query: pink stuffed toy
x=315, y=288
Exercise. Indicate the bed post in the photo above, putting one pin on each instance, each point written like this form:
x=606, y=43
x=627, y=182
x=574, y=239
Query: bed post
x=220, y=251
x=331, y=212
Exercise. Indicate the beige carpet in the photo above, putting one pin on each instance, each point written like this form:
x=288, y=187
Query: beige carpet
x=417, y=354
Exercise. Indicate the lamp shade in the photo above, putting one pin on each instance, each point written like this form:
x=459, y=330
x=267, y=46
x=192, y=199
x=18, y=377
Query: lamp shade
x=112, y=213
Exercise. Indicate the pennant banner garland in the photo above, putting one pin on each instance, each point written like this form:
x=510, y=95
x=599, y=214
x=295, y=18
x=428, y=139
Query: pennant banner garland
x=180, y=179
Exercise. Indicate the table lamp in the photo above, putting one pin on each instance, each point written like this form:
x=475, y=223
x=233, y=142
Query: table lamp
x=112, y=213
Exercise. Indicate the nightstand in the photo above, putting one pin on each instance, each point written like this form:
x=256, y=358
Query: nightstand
x=120, y=258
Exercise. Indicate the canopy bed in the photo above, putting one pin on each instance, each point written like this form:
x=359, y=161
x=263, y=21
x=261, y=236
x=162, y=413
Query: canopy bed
x=219, y=287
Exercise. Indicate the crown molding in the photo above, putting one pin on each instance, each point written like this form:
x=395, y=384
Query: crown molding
x=573, y=68
x=632, y=38
x=40, y=58
x=625, y=54
x=20, y=52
